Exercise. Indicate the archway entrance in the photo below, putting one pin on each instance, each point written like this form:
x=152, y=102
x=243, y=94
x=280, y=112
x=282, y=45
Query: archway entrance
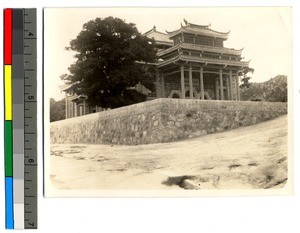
x=175, y=96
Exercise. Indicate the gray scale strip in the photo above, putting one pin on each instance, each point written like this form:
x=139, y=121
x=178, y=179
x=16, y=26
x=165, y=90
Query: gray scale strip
x=30, y=119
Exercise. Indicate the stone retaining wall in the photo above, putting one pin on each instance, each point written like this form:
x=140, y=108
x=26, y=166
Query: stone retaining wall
x=162, y=120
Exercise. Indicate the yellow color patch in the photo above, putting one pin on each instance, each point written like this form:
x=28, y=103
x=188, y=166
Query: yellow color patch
x=8, y=92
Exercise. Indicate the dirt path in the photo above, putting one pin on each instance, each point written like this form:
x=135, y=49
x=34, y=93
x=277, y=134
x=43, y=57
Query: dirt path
x=249, y=157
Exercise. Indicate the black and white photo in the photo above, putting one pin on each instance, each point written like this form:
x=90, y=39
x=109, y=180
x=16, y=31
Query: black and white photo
x=168, y=101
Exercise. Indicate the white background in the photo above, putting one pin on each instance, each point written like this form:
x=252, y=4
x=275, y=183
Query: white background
x=230, y=214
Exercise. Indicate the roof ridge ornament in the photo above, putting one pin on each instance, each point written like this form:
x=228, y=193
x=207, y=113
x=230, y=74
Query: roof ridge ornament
x=186, y=22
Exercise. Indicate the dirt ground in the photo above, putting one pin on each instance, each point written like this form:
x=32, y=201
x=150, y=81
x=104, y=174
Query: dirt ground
x=250, y=157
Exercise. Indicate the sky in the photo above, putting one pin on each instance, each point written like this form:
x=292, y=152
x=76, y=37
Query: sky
x=265, y=33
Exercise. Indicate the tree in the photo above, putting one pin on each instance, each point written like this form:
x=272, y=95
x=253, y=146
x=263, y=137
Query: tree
x=245, y=79
x=109, y=57
x=57, y=110
x=245, y=82
x=273, y=90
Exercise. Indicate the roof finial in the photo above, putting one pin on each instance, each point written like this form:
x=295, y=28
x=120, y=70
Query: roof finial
x=185, y=21
x=154, y=28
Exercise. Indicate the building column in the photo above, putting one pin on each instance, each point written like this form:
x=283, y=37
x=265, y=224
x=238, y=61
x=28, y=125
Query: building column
x=66, y=108
x=221, y=84
x=71, y=109
x=182, y=82
x=84, y=107
x=80, y=110
x=237, y=87
x=217, y=87
x=157, y=84
x=191, y=82
x=163, y=86
x=201, y=83
x=227, y=88
x=75, y=109
x=230, y=84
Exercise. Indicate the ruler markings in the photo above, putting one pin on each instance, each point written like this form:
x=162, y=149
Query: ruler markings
x=18, y=117
x=18, y=67
x=30, y=161
x=8, y=129
x=20, y=98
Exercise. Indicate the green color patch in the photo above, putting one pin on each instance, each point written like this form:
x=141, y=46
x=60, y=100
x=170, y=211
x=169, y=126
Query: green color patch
x=8, y=145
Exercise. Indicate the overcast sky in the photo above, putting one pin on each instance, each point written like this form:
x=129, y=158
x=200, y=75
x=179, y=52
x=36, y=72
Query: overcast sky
x=265, y=33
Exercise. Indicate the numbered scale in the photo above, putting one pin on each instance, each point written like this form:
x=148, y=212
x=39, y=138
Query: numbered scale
x=20, y=57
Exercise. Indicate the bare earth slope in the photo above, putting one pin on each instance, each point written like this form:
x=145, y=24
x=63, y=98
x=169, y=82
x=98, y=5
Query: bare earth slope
x=249, y=157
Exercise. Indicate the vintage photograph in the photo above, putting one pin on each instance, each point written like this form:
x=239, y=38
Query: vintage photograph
x=168, y=101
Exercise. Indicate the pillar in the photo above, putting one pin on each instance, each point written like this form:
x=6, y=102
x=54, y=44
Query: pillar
x=221, y=85
x=157, y=83
x=237, y=87
x=191, y=81
x=182, y=82
x=201, y=83
x=163, y=86
x=75, y=109
x=217, y=89
x=84, y=108
x=227, y=88
x=66, y=108
x=71, y=109
x=230, y=84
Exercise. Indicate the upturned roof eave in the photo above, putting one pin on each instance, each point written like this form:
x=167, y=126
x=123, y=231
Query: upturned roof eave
x=64, y=87
x=210, y=33
x=206, y=48
x=164, y=42
x=185, y=58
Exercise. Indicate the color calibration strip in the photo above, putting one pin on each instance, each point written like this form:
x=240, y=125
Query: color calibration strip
x=20, y=118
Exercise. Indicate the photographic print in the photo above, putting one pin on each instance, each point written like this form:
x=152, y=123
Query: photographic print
x=168, y=101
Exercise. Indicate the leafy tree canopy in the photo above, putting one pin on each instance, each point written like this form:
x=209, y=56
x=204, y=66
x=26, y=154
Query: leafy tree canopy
x=57, y=110
x=245, y=82
x=106, y=68
x=273, y=90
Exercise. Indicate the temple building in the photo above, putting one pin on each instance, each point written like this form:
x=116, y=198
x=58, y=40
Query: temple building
x=192, y=64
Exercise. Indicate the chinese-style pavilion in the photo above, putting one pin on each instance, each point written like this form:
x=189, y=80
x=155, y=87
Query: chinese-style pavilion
x=192, y=63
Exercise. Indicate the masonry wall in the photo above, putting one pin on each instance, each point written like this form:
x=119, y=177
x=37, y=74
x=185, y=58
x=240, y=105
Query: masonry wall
x=162, y=120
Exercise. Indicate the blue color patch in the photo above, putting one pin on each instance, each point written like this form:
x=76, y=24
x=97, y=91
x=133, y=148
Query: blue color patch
x=9, y=203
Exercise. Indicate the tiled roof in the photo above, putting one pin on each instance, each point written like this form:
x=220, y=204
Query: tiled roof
x=158, y=36
x=64, y=87
x=198, y=30
x=198, y=47
x=203, y=60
